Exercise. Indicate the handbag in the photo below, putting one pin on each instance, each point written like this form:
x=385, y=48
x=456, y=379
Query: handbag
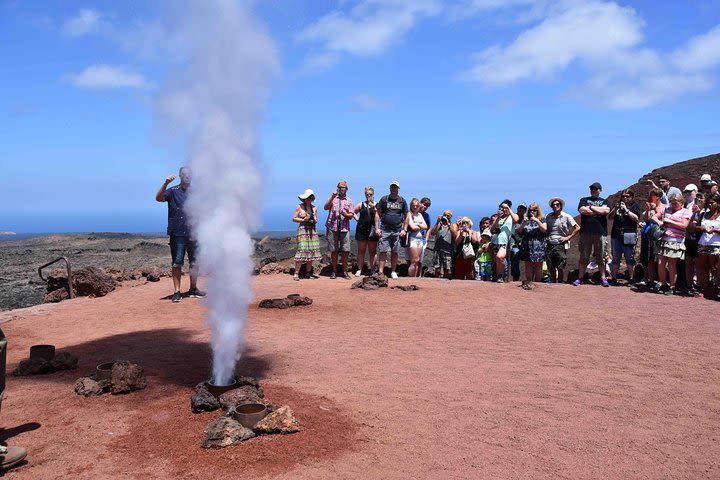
x=467, y=250
x=630, y=238
x=654, y=231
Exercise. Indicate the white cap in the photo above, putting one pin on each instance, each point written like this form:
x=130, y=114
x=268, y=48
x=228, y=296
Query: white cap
x=307, y=193
x=690, y=187
x=705, y=178
x=396, y=183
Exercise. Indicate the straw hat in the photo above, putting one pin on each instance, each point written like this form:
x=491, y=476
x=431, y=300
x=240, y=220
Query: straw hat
x=307, y=193
x=556, y=199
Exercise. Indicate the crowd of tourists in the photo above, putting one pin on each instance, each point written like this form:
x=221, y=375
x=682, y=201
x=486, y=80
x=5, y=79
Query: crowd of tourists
x=677, y=232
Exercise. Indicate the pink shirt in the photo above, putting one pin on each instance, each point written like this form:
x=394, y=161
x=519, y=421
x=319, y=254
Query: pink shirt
x=671, y=232
x=338, y=204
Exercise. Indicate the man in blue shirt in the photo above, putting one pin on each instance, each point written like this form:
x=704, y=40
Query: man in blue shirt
x=179, y=231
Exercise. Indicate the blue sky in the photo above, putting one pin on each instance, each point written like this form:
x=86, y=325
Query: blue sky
x=465, y=101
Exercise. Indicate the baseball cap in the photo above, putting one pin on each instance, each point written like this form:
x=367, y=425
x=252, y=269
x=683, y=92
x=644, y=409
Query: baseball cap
x=705, y=178
x=690, y=187
x=396, y=183
x=712, y=182
x=596, y=185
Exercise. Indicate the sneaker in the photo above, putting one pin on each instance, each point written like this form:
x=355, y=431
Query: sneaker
x=296, y=277
x=176, y=297
x=346, y=276
x=195, y=293
x=393, y=275
x=500, y=280
x=604, y=282
x=657, y=288
x=577, y=283
x=333, y=275
x=358, y=273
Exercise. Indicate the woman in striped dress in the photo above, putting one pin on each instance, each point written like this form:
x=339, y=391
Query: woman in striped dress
x=308, y=243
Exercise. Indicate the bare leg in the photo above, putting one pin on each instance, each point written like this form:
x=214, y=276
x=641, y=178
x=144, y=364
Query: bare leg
x=362, y=246
x=500, y=263
x=529, y=271
x=662, y=273
x=393, y=260
x=176, y=275
x=381, y=262
x=193, y=277
x=334, y=260
x=372, y=253
x=672, y=268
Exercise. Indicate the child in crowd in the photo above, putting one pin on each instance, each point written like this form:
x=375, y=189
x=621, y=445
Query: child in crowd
x=483, y=264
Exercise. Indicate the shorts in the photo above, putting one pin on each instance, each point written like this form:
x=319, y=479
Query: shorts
x=389, y=242
x=556, y=256
x=672, y=250
x=179, y=245
x=332, y=241
x=442, y=260
x=593, y=245
x=709, y=249
x=483, y=270
x=619, y=250
x=362, y=233
x=417, y=243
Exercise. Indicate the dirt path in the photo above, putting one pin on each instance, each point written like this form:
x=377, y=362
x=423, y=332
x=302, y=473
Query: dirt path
x=456, y=380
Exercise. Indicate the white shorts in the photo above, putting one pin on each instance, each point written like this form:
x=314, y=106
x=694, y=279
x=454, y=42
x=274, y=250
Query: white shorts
x=417, y=243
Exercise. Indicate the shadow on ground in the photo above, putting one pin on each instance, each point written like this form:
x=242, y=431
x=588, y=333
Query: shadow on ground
x=168, y=353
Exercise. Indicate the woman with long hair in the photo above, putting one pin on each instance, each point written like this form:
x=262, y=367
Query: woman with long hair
x=308, y=242
x=416, y=227
x=502, y=228
x=365, y=231
x=532, y=245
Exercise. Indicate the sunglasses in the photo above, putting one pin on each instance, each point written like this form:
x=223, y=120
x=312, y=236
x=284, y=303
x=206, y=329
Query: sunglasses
x=556, y=204
x=627, y=196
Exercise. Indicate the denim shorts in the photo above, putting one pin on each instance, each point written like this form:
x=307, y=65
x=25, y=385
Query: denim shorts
x=619, y=250
x=178, y=247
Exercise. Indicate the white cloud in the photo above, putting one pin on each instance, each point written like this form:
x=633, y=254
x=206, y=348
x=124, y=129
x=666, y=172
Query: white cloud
x=370, y=27
x=87, y=21
x=105, y=77
x=589, y=31
x=605, y=40
x=701, y=52
x=319, y=62
x=363, y=103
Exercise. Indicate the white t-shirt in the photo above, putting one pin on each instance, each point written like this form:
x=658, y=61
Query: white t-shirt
x=712, y=239
x=559, y=227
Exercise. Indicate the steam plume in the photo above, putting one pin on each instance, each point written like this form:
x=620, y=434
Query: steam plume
x=213, y=104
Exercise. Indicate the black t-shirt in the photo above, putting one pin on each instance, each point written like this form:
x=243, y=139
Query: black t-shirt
x=392, y=213
x=623, y=223
x=597, y=223
x=177, y=218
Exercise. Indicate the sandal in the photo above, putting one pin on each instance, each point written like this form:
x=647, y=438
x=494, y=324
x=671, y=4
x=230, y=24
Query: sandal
x=11, y=456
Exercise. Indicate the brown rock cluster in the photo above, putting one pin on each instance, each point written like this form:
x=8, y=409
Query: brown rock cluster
x=292, y=300
x=37, y=365
x=228, y=429
x=125, y=377
x=372, y=282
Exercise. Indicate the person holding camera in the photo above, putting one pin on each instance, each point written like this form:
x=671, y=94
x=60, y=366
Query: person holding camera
x=365, y=234
x=692, y=243
x=502, y=229
x=625, y=215
x=466, y=241
x=532, y=242
x=308, y=242
x=443, y=254
x=340, y=210
x=649, y=245
x=416, y=230
x=708, y=222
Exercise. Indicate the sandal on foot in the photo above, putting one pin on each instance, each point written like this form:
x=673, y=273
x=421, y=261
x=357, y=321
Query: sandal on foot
x=11, y=456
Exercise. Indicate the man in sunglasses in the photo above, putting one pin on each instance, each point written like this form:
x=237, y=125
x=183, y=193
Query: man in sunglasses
x=593, y=233
x=623, y=236
x=561, y=227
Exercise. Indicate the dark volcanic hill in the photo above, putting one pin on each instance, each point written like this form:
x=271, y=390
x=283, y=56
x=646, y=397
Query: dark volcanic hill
x=680, y=174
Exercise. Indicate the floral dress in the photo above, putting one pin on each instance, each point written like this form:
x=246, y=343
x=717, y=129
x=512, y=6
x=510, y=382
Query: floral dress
x=308, y=242
x=532, y=246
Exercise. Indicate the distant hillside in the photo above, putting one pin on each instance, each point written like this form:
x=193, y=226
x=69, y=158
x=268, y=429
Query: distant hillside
x=680, y=174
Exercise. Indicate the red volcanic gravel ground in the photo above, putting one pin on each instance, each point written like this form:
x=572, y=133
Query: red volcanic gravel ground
x=456, y=380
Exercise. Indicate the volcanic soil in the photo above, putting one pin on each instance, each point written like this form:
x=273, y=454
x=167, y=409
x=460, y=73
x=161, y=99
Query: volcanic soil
x=455, y=380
